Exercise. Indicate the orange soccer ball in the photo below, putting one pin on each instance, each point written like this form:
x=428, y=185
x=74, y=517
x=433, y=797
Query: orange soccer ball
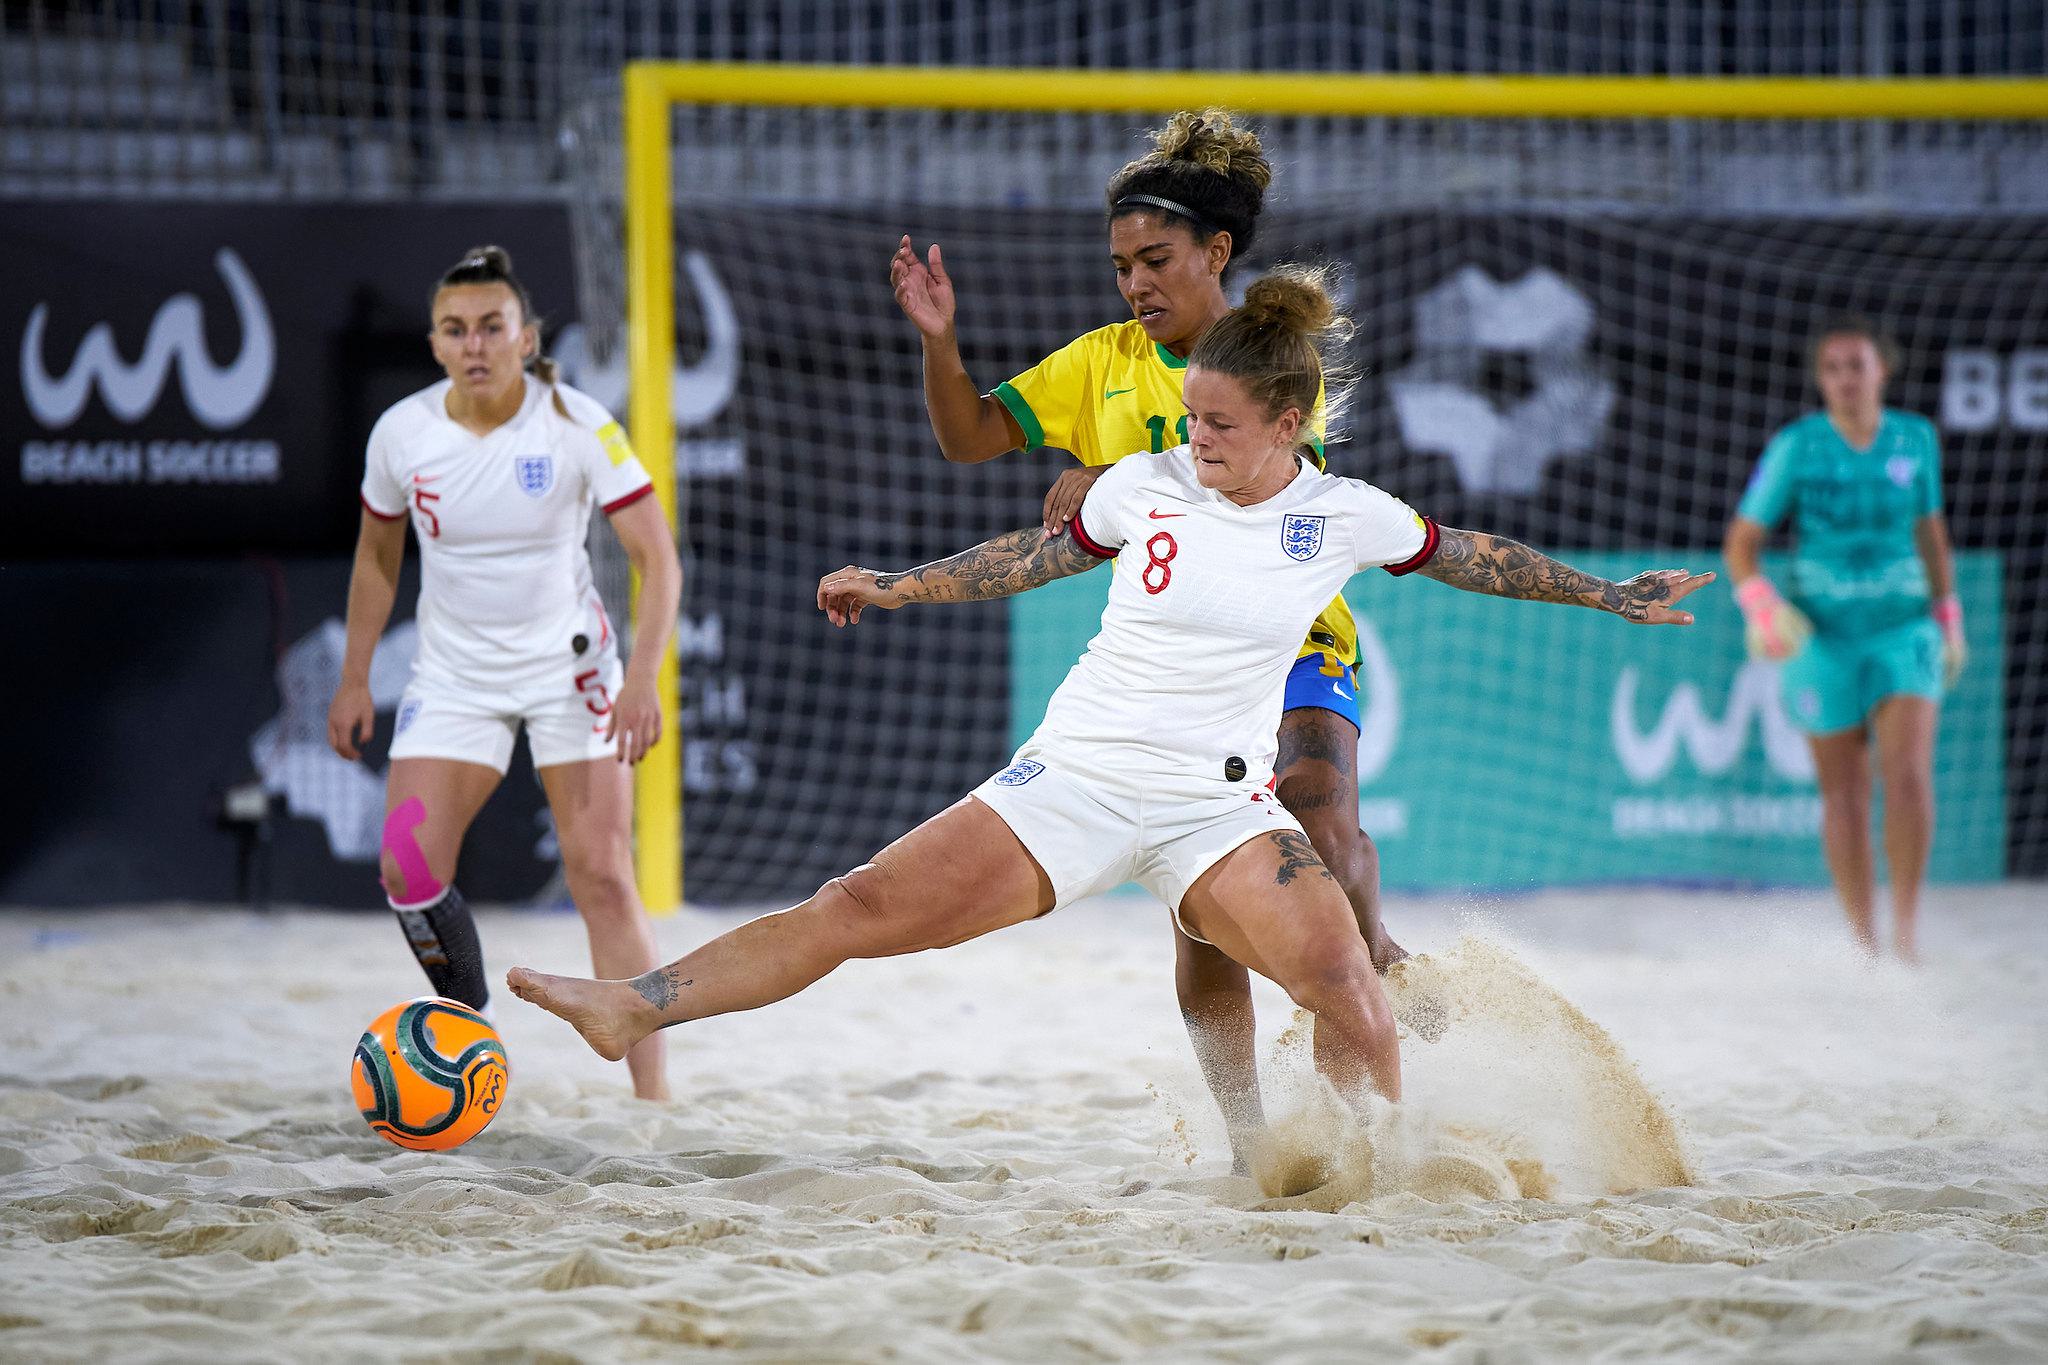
x=429, y=1074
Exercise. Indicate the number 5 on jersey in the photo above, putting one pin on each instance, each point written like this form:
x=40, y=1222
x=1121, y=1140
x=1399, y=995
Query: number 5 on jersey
x=587, y=683
x=430, y=520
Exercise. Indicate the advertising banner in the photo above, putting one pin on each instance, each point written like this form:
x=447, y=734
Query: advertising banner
x=1512, y=745
x=201, y=378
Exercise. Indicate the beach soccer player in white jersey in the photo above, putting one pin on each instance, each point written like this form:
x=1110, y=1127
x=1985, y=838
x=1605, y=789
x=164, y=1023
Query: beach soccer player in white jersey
x=1154, y=760
x=498, y=467
x=1179, y=218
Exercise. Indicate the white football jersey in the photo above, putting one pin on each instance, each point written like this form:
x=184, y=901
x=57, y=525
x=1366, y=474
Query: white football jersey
x=505, y=585
x=1210, y=603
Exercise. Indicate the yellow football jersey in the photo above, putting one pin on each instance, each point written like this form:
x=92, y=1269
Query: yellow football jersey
x=1115, y=392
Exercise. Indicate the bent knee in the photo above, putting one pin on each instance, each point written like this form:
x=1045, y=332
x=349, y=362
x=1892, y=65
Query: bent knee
x=872, y=912
x=601, y=876
x=1339, y=973
x=1355, y=995
x=399, y=885
x=856, y=901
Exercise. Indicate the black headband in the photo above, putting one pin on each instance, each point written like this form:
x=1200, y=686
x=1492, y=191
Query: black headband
x=1154, y=201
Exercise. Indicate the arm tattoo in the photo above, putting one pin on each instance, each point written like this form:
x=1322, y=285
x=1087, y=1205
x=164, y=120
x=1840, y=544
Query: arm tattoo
x=1012, y=563
x=1312, y=739
x=1297, y=856
x=661, y=986
x=1313, y=735
x=1500, y=567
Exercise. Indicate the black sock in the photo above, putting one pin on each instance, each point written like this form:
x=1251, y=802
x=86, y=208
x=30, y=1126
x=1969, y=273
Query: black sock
x=443, y=938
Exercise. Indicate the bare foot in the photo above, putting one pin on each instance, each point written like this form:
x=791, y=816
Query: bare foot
x=1245, y=1145
x=1908, y=951
x=591, y=1007
x=1385, y=953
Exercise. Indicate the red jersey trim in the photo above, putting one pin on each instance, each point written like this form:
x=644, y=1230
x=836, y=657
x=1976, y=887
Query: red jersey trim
x=381, y=516
x=616, y=503
x=1422, y=556
x=1086, y=541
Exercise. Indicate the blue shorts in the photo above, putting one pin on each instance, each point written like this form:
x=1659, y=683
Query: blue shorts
x=1309, y=685
x=1837, y=681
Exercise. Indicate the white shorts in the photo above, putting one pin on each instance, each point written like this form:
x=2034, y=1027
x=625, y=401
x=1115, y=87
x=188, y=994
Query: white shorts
x=480, y=727
x=1093, y=827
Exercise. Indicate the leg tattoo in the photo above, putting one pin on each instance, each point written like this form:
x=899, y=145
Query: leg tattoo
x=1297, y=855
x=661, y=986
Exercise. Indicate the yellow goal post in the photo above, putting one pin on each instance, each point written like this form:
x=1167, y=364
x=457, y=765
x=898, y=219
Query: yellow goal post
x=651, y=90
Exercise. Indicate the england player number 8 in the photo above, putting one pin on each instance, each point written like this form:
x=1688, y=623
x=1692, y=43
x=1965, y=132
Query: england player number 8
x=1162, y=549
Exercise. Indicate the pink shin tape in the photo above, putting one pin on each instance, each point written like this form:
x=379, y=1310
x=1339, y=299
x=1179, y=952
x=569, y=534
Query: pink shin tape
x=418, y=885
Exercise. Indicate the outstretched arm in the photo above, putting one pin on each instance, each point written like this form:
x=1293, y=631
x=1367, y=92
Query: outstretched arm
x=1478, y=562
x=971, y=426
x=1015, y=562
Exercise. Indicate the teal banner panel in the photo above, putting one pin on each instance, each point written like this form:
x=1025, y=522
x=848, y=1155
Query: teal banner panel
x=1518, y=745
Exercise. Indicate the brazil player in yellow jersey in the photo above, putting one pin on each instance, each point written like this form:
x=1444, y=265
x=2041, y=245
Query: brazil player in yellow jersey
x=1868, y=624
x=1177, y=218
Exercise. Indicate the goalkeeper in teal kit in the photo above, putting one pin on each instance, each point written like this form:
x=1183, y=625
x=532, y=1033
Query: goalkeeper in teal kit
x=1866, y=619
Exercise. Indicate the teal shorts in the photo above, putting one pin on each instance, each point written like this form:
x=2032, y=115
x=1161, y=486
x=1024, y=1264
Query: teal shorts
x=1838, y=680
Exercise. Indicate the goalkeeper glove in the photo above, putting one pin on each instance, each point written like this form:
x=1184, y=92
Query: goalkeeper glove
x=1773, y=627
x=1948, y=614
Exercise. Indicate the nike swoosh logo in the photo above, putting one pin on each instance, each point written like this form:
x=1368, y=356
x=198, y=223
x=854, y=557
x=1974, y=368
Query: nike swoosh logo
x=1340, y=692
x=1158, y=515
x=1114, y=392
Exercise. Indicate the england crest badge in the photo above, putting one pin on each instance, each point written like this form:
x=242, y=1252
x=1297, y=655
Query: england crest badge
x=536, y=474
x=1020, y=772
x=1300, y=536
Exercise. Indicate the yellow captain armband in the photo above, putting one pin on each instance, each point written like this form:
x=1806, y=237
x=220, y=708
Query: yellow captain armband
x=617, y=448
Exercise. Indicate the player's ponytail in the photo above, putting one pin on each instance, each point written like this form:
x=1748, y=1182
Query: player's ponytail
x=1203, y=170
x=493, y=265
x=1284, y=343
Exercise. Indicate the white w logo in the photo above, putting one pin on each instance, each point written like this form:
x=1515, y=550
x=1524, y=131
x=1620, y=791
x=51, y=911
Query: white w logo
x=218, y=397
x=1714, y=745
x=697, y=392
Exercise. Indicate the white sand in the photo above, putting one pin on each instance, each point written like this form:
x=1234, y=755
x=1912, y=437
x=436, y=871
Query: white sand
x=1002, y=1151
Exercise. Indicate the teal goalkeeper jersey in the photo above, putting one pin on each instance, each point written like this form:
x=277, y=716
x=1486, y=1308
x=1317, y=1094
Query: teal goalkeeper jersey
x=1855, y=568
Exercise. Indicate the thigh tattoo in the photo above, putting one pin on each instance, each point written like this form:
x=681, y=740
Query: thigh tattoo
x=1297, y=856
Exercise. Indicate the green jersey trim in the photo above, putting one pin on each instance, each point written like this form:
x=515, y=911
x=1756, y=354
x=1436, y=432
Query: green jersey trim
x=1027, y=420
x=1168, y=358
